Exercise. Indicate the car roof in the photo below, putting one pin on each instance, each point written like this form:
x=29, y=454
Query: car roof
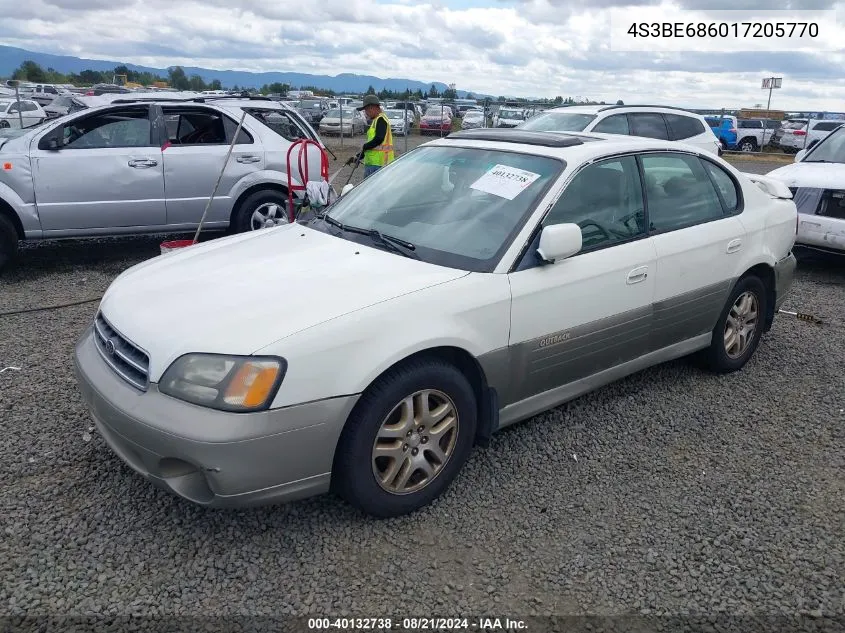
x=576, y=148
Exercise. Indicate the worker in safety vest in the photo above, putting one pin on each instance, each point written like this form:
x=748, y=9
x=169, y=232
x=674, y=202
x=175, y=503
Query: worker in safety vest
x=377, y=152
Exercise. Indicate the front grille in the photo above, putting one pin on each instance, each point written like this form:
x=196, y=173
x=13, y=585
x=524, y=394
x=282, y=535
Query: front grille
x=129, y=361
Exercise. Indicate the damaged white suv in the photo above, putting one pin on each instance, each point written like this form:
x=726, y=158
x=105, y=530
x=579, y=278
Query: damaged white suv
x=817, y=180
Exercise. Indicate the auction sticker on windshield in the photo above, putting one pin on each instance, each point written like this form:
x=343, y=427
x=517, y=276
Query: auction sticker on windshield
x=505, y=181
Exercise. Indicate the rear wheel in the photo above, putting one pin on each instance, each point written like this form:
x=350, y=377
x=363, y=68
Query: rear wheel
x=262, y=209
x=4, y=124
x=740, y=327
x=406, y=440
x=8, y=241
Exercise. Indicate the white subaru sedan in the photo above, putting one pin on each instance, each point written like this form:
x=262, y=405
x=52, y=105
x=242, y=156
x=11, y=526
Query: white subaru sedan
x=475, y=282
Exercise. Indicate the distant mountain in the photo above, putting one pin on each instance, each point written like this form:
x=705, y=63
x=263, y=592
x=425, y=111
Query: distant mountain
x=11, y=58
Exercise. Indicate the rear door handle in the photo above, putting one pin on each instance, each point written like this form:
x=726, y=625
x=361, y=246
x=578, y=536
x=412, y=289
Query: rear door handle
x=734, y=245
x=142, y=163
x=248, y=159
x=637, y=275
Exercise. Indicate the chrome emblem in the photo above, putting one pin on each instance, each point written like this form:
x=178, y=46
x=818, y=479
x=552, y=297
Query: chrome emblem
x=110, y=347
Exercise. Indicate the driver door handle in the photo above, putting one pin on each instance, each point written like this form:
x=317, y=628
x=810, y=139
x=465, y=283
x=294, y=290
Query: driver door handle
x=637, y=275
x=248, y=159
x=142, y=163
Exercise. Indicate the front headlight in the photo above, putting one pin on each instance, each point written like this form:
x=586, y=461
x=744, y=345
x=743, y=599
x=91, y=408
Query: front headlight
x=227, y=383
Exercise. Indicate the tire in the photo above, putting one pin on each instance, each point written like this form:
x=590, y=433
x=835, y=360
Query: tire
x=261, y=202
x=718, y=357
x=364, y=479
x=8, y=241
x=4, y=124
x=723, y=145
x=748, y=145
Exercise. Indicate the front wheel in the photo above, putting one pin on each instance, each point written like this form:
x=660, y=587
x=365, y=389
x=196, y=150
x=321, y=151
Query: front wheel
x=8, y=241
x=406, y=439
x=262, y=209
x=739, y=328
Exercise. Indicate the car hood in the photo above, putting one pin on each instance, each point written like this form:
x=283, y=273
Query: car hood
x=239, y=294
x=815, y=175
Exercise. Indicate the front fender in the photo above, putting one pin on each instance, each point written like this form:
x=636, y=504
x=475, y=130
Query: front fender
x=26, y=211
x=344, y=356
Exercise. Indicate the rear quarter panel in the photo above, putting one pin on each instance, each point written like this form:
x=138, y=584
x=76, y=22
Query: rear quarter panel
x=769, y=223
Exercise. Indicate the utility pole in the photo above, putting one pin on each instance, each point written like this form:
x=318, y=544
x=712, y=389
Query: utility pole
x=771, y=83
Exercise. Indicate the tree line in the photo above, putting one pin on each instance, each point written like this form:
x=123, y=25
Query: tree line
x=177, y=78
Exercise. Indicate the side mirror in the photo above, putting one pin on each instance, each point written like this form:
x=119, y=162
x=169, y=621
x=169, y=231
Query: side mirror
x=559, y=241
x=53, y=144
x=800, y=155
x=346, y=189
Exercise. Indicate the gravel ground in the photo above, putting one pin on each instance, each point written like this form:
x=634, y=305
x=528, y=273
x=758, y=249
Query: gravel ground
x=671, y=492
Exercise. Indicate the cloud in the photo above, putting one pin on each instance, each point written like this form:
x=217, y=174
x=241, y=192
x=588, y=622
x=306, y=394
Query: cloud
x=511, y=47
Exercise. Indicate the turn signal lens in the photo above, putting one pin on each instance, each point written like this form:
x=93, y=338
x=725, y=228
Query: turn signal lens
x=252, y=385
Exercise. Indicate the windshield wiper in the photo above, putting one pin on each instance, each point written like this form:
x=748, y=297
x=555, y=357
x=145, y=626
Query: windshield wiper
x=393, y=244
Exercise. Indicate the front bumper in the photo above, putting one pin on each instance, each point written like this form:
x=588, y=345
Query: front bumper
x=821, y=231
x=212, y=458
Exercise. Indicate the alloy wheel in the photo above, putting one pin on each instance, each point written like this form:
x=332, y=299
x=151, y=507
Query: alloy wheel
x=415, y=441
x=268, y=215
x=741, y=324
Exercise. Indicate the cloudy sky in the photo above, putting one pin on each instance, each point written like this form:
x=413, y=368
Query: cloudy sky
x=538, y=48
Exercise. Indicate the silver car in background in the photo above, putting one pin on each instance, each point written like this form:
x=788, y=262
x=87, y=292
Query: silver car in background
x=347, y=121
x=400, y=121
x=149, y=166
x=473, y=119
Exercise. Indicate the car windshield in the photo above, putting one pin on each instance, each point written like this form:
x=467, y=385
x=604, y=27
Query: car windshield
x=473, y=114
x=558, y=122
x=830, y=150
x=62, y=102
x=510, y=114
x=459, y=207
x=435, y=111
x=396, y=114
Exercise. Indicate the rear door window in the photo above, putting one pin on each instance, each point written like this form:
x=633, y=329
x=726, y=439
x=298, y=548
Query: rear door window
x=827, y=126
x=649, y=125
x=616, y=124
x=679, y=192
x=682, y=127
x=200, y=126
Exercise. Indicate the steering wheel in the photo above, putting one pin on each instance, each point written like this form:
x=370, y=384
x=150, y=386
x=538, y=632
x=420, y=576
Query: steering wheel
x=605, y=230
x=636, y=215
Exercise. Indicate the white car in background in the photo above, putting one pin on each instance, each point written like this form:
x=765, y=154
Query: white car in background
x=794, y=135
x=479, y=280
x=658, y=122
x=817, y=180
x=15, y=113
x=509, y=117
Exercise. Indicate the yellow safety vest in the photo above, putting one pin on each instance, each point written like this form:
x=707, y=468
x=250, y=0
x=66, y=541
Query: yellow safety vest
x=383, y=154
